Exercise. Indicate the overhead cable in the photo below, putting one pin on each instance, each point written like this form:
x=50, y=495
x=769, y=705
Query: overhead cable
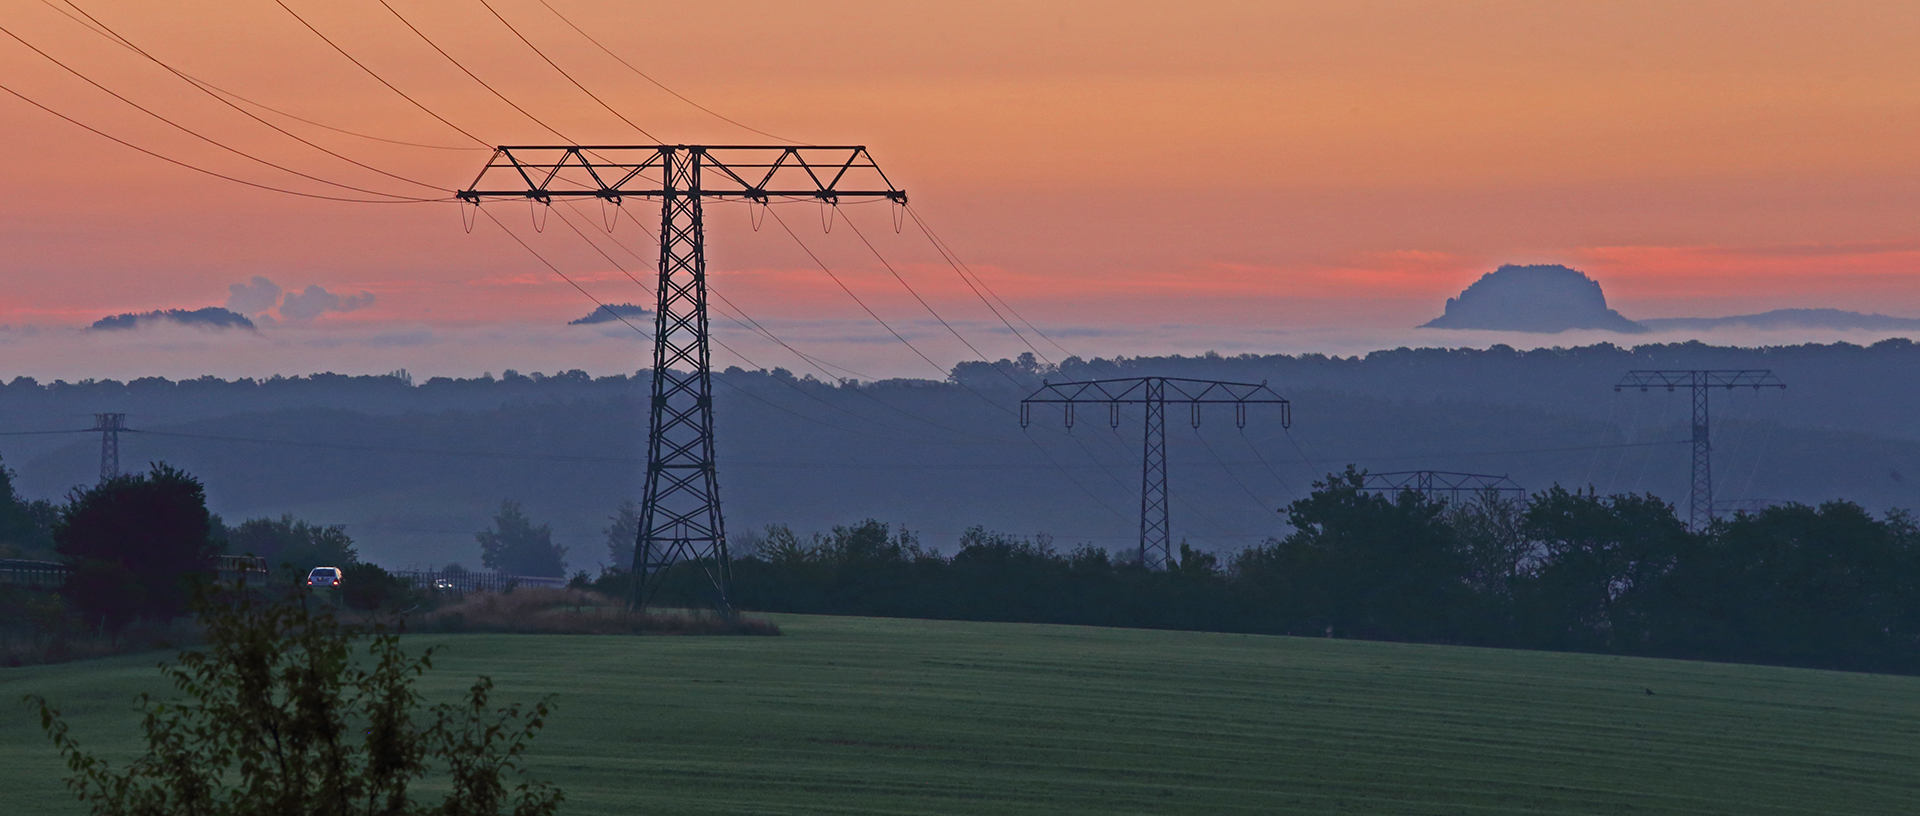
x=254, y=102
x=189, y=131
x=243, y=111
x=563, y=72
x=928, y=306
x=947, y=251
x=657, y=83
x=215, y=174
x=378, y=78
x=463, y=69
x=563, y=276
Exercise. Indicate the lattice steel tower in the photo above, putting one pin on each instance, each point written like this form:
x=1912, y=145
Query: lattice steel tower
x=680, y=518
x=1701, y=381
x=1156, y=531
x=109, y=426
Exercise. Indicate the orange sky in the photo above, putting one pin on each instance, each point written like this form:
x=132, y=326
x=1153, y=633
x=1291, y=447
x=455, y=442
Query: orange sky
x=1100, y=163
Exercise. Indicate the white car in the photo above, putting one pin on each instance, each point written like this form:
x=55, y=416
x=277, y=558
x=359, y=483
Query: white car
x=324, y=577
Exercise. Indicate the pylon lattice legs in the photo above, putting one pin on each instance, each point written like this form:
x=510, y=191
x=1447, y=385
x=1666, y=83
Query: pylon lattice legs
x=1700, y=511
x=109, y=426
x=1156, y=534
x=680, y=510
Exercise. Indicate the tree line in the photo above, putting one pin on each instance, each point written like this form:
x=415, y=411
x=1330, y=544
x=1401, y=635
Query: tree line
x=135, y=546
x=1828, y=586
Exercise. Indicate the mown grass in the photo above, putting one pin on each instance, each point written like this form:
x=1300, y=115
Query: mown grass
x=852, y=715
x=554, y=611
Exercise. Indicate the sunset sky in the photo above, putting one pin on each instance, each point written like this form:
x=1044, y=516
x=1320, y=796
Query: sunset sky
x=1134, y=177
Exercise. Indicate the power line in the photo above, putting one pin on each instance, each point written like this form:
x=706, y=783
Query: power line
x=563, y=72
x=189, y=131
x=563, y=276
x=545, y=457
x=947, y=251
x=244, y=112
x=958, y=269
x=254, y=102
x=616, y=265
x=382, y=80
x=656, y=83
x=463, y=69
x=856, y=298
x=1229, y=471
x=820, y=364
x=176, y=162
x=923, y=302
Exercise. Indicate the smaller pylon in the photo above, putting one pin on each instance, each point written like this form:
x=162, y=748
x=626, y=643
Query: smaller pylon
x=109, y=426
x=1156, y=532
x=1700, y=511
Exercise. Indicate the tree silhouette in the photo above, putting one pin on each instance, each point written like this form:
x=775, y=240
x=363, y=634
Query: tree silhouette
x=151, y=529
x=515, y=545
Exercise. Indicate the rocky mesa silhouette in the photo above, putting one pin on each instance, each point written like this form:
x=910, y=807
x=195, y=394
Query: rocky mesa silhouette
x=1543, y=298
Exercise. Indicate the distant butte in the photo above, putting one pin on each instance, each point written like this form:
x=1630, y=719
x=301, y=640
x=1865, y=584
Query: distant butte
x=1543, y=298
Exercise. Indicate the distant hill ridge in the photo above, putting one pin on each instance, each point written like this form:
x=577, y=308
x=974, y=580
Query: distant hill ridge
x=212, y=317
x=1549, y=298
x=1789, y=319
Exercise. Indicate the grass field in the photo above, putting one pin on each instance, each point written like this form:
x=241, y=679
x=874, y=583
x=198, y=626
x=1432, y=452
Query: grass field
x=856, y=715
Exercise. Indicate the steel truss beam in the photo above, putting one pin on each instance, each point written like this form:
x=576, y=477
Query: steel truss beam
x=1700, y=509
x=614, y=172
x=1443, y=484
x=680, y=517
x=1156, y=531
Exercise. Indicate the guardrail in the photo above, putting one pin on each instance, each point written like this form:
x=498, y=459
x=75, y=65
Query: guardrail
x=475, y=581
x=33, y=573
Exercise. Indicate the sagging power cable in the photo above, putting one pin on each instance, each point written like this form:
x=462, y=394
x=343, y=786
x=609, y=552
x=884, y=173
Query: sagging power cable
x=255, y=102
x=178, y=163
x=190, y=131
x=243, y=111
x=656, y=83
x=563, y=72
x=380, y=79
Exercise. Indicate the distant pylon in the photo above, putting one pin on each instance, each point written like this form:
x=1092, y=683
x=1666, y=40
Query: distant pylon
x=109, y=426
x=1700, y=513
x=1156, y=532
x=1444, y=485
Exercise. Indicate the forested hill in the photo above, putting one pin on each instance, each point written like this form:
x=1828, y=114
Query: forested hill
x=413, y=468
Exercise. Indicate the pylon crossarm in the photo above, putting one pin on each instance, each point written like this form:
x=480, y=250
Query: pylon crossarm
x=1755, y=378
x=1441, y=481
x=757, y=173
x=1134, y=390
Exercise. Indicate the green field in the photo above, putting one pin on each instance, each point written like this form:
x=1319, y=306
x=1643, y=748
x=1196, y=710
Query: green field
x=858, y=715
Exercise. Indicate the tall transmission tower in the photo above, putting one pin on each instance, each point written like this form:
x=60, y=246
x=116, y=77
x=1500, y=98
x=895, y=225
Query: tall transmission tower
x=1700, y=510
x=1442, y=484
x=680, y=518
x=109, y=426
x=1156, y=532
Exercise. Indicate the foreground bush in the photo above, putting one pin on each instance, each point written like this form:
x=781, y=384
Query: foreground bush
x=282, y=717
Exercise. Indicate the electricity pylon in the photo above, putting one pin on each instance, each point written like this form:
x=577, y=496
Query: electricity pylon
x=1156, y=533
x=680, y=515
x=1443, y=484
x=109, y=426
x=1700, y=511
